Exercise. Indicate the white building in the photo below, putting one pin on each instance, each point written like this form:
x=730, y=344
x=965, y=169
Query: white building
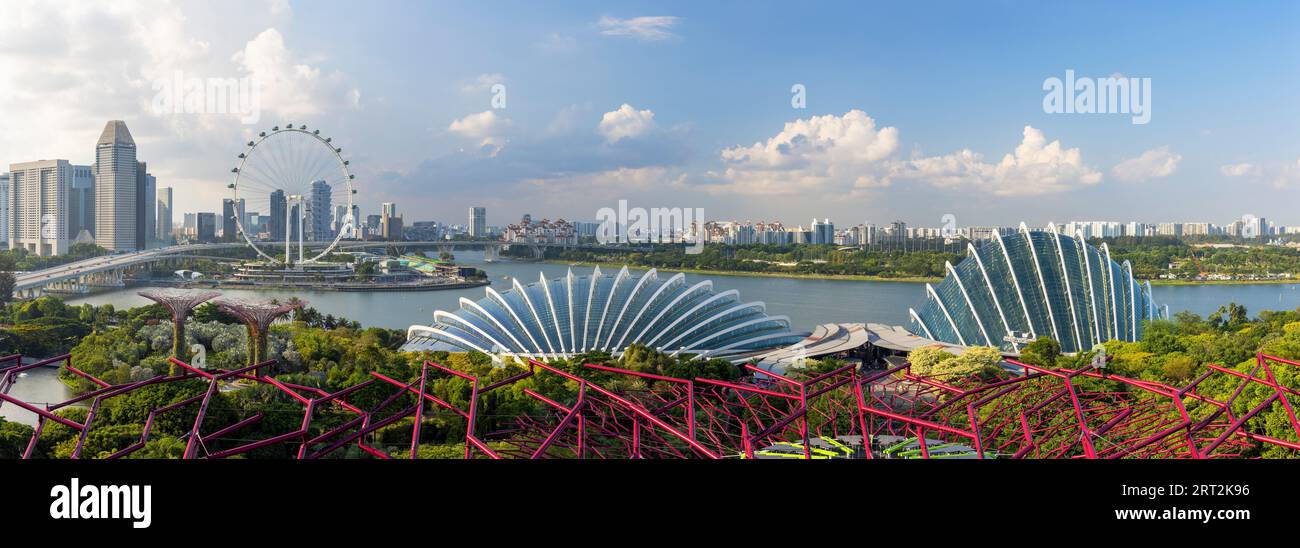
x=164, y=214
x=477, y=222
x=4, y=208
x=38, y=201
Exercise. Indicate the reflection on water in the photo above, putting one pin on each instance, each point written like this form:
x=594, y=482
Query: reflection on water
x=35, y=386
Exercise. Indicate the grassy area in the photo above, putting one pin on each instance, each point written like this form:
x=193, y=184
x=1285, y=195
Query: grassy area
x=798, y=275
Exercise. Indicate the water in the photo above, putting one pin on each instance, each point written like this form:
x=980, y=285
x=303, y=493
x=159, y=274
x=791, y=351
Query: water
x=37, y=386
x=807, y=302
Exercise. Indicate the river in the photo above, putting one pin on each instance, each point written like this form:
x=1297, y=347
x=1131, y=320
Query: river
x=807, y=302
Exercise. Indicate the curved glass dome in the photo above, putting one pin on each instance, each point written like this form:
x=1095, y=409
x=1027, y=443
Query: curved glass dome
x=1032, y=284
x=575, y=314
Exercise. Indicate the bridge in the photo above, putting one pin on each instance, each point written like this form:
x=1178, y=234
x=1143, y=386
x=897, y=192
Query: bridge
x=110, y=270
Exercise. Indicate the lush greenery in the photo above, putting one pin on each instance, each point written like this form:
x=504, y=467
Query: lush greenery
x=1177, y=351
x=937, y=363
x=333, y=353
x=822, y=260
x=1152, y=258
x=1155, y=257
x=315, y=350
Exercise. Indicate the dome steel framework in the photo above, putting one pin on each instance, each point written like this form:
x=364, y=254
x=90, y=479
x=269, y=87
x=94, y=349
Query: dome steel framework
x=575, y=314
x=1033, y=284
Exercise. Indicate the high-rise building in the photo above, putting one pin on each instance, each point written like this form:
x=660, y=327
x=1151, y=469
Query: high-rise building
x=319, y=210
x=4, y=208
x=189, y=225
x=823, y=232
x=145, y=208
x=390, y=226
x=164, y=214
x=340, y=216
x=275, y=225
x=228, y=229
x=116, y=183
x=38, y=194
x=81, y=201
x=898, y=232
x=477, y=222
x=206, y=227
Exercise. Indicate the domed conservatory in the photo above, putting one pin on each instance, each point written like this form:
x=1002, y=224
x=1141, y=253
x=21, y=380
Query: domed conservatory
x=565, y=316
x=1030, y=284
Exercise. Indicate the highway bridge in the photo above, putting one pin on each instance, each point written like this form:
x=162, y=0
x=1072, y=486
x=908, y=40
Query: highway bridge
x=110, y=270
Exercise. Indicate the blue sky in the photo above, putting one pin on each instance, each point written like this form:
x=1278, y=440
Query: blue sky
x=708, y=92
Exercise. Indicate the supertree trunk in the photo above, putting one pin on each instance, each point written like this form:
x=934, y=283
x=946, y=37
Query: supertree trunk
x=179, y=303
x=178, y=344
x=258, y=316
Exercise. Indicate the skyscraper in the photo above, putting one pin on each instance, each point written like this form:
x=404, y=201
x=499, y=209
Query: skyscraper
x=150, y=206
x=275, y=225
x=477, y=222
x=144, y=205
x=319, y=213
x=81, y=201
x=206, y=229
x=823, y=232
x=231, y=210
x=38, y=193
x=116, y=181
x=4, y=208
x=164, y=214
x=390, y=225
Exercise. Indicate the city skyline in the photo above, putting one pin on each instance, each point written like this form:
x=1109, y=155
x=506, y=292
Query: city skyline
x=601, y=105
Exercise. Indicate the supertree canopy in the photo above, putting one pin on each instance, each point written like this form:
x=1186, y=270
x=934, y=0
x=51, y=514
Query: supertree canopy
x=180, y=303
x=258, y=316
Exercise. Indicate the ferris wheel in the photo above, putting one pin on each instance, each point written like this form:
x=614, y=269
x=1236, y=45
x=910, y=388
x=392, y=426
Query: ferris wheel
x=297, y=183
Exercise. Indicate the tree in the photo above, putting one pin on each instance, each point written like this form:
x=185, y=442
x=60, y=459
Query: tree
x=7, y=283
x=1043, y=352
x=934, y=361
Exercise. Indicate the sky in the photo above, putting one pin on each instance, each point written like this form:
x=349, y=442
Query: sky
x=910, y=110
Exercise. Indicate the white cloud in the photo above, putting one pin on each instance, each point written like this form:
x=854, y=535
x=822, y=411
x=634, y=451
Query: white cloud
x=645, y=28
x=482, y=83
x=71, y=66
x=625, y=123
x=1157, y=162
x=1036, y=167
x=486, y=127
x=289, y=86
x=835, y=155
x=1238, y=170
x=1277, y=174
x=819, y=153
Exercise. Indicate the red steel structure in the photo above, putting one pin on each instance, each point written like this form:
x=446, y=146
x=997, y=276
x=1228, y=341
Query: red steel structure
x=606, y=412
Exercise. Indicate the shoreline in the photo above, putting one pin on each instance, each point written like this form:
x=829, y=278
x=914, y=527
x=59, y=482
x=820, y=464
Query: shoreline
x=349, y=288
x=791, y=275
x=1223, y=282
x=869, y=278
